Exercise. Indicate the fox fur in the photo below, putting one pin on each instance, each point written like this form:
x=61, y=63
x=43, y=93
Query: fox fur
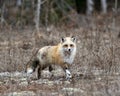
x=62, y=54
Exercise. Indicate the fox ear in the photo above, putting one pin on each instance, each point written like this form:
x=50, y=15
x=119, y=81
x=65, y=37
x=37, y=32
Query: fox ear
x=62, y=40
x=73, y=38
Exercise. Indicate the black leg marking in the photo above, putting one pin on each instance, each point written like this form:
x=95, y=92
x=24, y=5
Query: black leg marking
x=50, y=68
x=39, y=72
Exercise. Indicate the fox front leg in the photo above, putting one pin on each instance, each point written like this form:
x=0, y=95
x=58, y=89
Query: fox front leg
x=67, y=72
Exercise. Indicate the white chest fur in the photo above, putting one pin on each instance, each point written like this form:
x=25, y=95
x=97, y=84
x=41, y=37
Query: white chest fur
x=69, y=58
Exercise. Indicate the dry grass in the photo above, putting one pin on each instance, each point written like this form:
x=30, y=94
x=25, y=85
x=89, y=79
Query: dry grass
x=98, y=54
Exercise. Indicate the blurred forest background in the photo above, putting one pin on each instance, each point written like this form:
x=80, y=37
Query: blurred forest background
x=21, y=13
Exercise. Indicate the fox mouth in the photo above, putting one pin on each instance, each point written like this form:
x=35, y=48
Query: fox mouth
x=67, y=53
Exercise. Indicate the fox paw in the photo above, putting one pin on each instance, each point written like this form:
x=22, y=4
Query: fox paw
x=68, y=75
x=29, y=70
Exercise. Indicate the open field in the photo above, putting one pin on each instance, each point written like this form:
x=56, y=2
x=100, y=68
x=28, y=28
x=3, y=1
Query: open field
x=96, y=70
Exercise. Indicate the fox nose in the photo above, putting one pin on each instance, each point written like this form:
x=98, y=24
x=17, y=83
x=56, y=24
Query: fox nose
x=69, y=50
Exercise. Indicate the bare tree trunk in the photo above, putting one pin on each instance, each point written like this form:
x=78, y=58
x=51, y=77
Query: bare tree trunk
x=2, y=12
x=90, y=4
x=114, y=14
x=46, y=14
x=104, y=6
x=19, y=2
x=116, y=5
x=2, y=19
x=37, y=17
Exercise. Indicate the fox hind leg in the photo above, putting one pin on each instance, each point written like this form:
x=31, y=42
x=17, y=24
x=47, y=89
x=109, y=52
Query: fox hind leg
x=50, y=68
x=42, y=67
x=39, y=72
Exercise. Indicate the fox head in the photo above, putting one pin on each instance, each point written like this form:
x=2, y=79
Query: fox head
x=68, y=45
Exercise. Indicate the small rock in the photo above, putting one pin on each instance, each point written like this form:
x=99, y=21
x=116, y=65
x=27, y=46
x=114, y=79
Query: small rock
x=22, y=93
x=23, y=79
x=58, y=82
x=4, y=74
x=24, y=83
x=72, y=89
x=67, y=82
x=50, y=83
x=1, y=82
x=46, y=74
x=57, y=73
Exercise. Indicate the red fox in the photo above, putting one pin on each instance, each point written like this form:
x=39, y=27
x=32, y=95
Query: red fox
x=62, y=54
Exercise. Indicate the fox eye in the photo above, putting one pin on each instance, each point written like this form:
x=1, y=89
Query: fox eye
x=65, y=45
x=71, y=45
